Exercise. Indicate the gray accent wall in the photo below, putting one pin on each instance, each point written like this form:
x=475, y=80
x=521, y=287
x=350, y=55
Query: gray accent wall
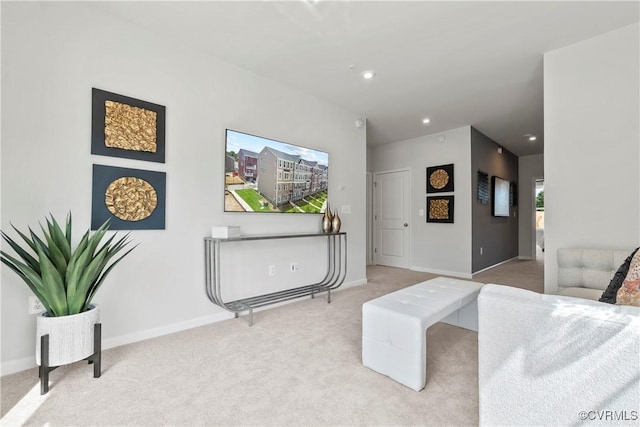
x=497, y=236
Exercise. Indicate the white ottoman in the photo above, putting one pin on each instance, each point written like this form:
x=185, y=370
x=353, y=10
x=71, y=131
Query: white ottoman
x=394, y=338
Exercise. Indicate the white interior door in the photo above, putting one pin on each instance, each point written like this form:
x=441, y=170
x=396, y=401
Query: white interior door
x=391, y=218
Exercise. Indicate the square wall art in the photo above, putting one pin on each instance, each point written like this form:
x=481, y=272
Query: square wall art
x=127, y=127
x=133, y=199
x=440, y=209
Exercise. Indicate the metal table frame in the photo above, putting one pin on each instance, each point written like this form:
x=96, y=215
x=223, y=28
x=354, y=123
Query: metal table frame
x=334, y=277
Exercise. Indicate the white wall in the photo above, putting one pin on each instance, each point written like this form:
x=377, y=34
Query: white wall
x=437, y=248
x=529, y=168
x=52, y=55
x=592, y=114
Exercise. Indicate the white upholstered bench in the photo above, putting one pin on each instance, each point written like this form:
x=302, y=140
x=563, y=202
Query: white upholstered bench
x=394, y=338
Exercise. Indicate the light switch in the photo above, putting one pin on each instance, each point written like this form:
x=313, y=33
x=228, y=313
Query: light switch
x=420, y=212
x=345, y=209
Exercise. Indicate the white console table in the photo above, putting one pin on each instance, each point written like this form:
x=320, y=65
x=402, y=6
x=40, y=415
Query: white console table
x=334, y=277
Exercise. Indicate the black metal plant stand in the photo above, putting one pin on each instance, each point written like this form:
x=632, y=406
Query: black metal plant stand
x=95, y=358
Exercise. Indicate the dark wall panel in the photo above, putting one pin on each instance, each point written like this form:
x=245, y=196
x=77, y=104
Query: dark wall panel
x=498, y=237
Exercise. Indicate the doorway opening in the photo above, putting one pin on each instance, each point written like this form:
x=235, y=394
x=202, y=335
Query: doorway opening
x=539, y=217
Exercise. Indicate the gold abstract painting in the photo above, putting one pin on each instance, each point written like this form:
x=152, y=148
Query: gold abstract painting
x=130, y=198
x=439, y=179
x=439, y=209
x=130, y=128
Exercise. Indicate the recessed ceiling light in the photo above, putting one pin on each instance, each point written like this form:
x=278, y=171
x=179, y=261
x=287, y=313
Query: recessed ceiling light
x=532, y=138
x=426, y=121
x=368, y=75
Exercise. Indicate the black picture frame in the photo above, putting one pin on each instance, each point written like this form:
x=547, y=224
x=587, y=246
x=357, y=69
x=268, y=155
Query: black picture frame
x=103, y=176
x=435, y=212
x=98, y=114
x=435, y=175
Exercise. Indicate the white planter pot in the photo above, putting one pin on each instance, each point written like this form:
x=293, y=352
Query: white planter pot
x=70, y=337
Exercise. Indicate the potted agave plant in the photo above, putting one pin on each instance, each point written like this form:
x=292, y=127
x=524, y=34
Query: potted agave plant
x=65, y=280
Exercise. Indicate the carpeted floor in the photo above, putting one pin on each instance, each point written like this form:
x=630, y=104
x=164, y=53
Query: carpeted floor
x=298, y=365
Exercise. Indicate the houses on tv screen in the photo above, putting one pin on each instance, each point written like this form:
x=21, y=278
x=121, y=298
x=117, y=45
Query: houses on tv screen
x=281, y=177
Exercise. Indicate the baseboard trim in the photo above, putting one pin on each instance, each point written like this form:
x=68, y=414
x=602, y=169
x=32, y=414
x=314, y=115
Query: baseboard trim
x=494, y=265
x=352, y=284
x=23, y=364
x=525, y=258
x=17, y=365
x=441, y=272
x=165, y=330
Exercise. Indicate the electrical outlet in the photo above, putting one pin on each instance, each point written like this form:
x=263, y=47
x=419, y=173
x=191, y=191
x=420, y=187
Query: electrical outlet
x=272, y=270
x=294, y=267
x=35, y=306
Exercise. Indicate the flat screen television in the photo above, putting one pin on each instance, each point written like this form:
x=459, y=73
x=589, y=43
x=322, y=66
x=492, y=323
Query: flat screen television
x=267, y=176
x=500, y=191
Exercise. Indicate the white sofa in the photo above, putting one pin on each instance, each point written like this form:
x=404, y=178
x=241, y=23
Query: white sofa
x=556, y=360
x=585, y=273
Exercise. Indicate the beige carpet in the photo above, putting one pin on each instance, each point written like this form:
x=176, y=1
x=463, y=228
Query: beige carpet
x=298, y=365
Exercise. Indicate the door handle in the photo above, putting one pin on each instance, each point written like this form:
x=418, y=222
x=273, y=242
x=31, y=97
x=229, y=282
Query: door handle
x=406, y=225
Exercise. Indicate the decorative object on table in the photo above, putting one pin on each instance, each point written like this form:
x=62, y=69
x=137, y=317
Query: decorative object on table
x=440, y=209
x=225, y=232
x=440, y=178
x=483, y=187
x=328, y=212
x=132, y=199
x=127, y=127
x=336, y=223
x=65, y=280
x=326, y=221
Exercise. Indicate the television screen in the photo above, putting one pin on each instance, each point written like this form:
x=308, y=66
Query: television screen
x=263, y=175
x=500, y=206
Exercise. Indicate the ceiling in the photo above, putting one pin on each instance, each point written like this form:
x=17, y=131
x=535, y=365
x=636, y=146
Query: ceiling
x=458, y=63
